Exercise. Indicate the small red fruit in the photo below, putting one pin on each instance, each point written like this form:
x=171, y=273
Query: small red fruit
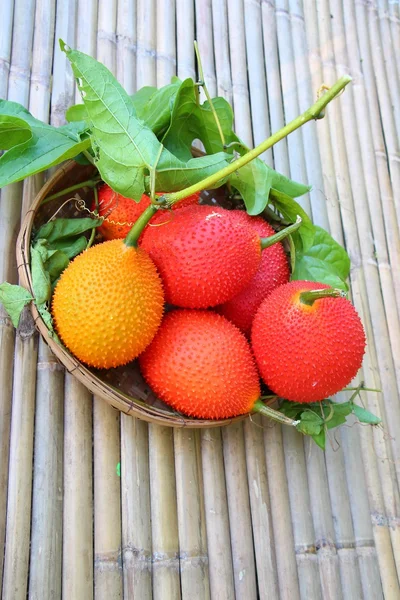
x=121, y=213
x=201, y=364
x=306, y=352
x=205, y=256
x=273, y=271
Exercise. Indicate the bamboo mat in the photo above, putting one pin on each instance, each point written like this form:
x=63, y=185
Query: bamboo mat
x=252, y=510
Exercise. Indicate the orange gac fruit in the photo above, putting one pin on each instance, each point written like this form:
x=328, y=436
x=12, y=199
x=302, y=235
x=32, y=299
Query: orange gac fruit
x=201, y=364
x=108, y=304
x=205, y=256
x=121, y=213
x=272, y=272
x=307, y=352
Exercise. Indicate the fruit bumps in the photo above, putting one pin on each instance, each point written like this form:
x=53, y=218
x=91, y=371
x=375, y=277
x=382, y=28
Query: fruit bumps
x=108, y=304
x=307, y=350
x=204, y=255
x=201, y=364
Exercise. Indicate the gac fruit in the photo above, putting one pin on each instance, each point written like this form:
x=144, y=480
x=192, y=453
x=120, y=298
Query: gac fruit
x=272, y=272
x=121, y=213
x=108, y=304
x=201, y=364
x=204, y=255
x=307, y=349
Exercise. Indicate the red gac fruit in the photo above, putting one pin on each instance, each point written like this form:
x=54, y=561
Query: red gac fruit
x=204, y=254
x=273, y=271
x=121, y=213
x=307, y=352
x=201, y=364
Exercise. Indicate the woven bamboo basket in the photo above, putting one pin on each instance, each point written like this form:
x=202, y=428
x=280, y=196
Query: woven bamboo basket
x=123, y=387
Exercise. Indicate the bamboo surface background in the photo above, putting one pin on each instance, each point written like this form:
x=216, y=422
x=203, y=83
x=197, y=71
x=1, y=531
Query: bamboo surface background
x=251, y=510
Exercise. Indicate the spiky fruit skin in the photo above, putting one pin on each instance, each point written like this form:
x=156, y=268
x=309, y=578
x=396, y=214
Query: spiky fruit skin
x=205, y=256
x=108, y=304
x=201, y=364
x=307, y=353
x=121, y=213
x=272, y=272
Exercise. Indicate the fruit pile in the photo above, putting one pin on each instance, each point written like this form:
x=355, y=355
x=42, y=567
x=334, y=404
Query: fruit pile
x=223, y=308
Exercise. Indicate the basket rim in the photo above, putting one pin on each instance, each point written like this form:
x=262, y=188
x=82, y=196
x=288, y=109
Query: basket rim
x=117, y=398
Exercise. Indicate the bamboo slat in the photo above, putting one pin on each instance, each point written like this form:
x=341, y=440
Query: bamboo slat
x=237, y=52
x=165, y=49
x=217, y=520
x=204, y=36
x=239, y=512
x=107, y=502
x=16, y=556
x=260, y=503
x=185, y=26
x=146, y=43
x=5, y=45
x=77, y=570
x=135, y=509
x=164, y=522
x=300, y=505
x=274, y=88
x=256, y=74
x=221, y=49
x=126, y=44
x=191, y=516
x=285, y=549
x=379, y=17
x=46, y=538
x=11, y=57
x=290, y=100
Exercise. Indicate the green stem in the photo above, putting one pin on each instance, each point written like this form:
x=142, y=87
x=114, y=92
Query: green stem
x=96, y=212
x=312, y=113
x=89, y=157
x=73, y=188
x=275, y=415
x=310, y=296
x=203, y=85
x=281, y=235
x=136, y=231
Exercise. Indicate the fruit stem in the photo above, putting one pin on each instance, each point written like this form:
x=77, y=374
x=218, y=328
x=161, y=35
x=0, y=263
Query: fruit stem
x=266, y=242
x=202, y=83
x=275, y=415
x=77, y=186
x=310, y=296
x=133, y=236
x=314, y=112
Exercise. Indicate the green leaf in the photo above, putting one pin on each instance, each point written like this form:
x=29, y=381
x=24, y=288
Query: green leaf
x=173, y=174
x=40, y=278
x=62, y=229
x=310, y=423
x=289, y=209
x=253, y=181
x=325, y=261
x=56, y=264
x=14, y=298
x=47, y=318
x=156, y=111
x=365, y=416
x=288, y=186
x=77, y=112
x=190, y=121
x=47, y=146
x=125, y=149
x=320, y=439
x=141, y=97
x=13, y=131
x=71, y=246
